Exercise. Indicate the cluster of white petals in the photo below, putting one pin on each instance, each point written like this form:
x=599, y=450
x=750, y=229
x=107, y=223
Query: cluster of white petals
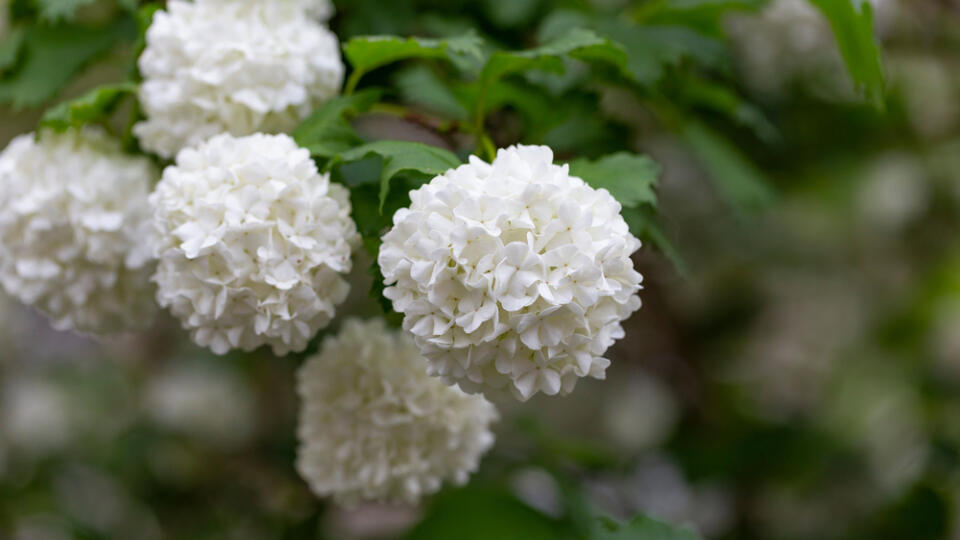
x=252, y=241
x=234, y=66
x=375, y=426
x=73, y=213
x=512, y=273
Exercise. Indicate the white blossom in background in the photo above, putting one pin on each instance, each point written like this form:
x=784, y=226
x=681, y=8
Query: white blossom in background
x=35, y=417
x=791, y=41
x=73, y=215
x=512, y=274
x=208, y=404
x=895, y=191
x=374, y=426
x=659, y=488
x=238, y=67
x=252, y=243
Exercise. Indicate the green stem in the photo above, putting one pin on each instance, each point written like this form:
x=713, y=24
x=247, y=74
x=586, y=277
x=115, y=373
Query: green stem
x=352, y=82
x=488, y=147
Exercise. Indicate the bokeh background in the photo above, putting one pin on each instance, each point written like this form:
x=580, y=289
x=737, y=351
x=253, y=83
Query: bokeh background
x=794, y=372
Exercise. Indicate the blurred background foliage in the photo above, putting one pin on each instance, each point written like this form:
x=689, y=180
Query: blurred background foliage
x=794, y=373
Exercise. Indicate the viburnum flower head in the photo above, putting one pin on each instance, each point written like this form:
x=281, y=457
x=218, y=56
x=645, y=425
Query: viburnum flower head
x=73, y=212
x=375, y=426
x=234, y=66
x=512, y=274
x=252, y=241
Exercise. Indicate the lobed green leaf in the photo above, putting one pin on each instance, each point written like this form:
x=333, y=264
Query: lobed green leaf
x=630, y=178
x=367, y=53
x=402, y=156
x=94, y=106
x=327, y=132
x=51, y=55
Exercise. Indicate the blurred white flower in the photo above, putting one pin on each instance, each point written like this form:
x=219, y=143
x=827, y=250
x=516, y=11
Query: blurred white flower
x=794, y=346
x=791, y=41
x=539, y=490
x=73, y=215
x=640, y=413
x=36, y=416
x=930, y=91
x=658, y=488
x=374, y=426
x=876, y=408
x=512, y=274
x=208, y=404
x=238, y=67
x=895, y=191
x=252, y=242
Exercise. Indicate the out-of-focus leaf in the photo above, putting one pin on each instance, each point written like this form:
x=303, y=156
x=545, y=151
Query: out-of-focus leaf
x=700, y=92
x=640, y=528
x=630, y=178
x=649, y=49
x=421, y=86
x=852, y=24
x=577, y=43
x=741, y=182
x=483, y=514
x=402, y=156
x=327, y=132
x=10, y=47
x=53, y=10
x=52, y=55
x=367, y=53
x=704, y=16
x=94, y=106
x=646, y=226
x=510, y=13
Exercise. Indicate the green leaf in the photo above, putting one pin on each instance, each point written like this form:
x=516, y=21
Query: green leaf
x=327, y=132
x=744, y=185
x=10, y=47
x=421, y=86
x=52, y=55
x=630, y=178
x=367, y=53
x=577, y=43
x=640, y=528
x=854, y=32
x=54, y=10
x=94, y=106
x=649, y=49
x=403, y=156
x=704, y=16
x=510, y=13
x=699, y=92
x=478, y=513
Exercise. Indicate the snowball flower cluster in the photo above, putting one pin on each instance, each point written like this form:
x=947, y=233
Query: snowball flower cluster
x=73, y=212
x=234, y=66
x=252, y=242
x=512, y=274
x=374, y=426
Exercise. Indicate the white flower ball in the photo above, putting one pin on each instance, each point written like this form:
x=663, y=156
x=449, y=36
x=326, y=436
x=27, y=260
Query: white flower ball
x=374, y=426
x=237, y=66
x=73, y=212
x=252, y=242
x=512, y=274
